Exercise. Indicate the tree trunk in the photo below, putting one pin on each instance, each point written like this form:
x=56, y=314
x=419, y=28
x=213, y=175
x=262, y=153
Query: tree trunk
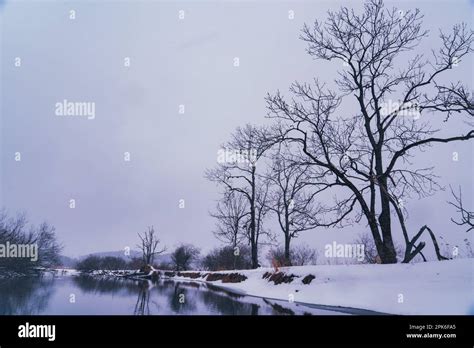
x=287, y=239
x=253, y=240
x=386, y=249
x=287, y=250
x=234, y=246
x=410, y=255
x=253, y=237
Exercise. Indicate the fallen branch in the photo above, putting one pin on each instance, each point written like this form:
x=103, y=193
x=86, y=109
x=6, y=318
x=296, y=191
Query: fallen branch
x=409, y=255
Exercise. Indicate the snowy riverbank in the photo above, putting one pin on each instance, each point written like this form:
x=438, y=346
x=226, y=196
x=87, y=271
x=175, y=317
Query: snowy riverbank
x=37, y=271
x=424, y=288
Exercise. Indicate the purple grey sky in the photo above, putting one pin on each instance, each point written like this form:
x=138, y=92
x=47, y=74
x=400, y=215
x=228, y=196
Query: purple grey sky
x=173, y=62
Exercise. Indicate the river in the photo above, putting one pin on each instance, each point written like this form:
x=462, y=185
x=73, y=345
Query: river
x=86, y=295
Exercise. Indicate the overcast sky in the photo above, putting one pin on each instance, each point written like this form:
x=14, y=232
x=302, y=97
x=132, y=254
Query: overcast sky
x=172, y=62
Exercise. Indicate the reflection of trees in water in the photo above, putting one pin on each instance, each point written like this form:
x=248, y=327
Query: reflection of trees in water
x=31, y=295
x=223, y=304
x=181, y=296
x=216, y=301
x=255, y=309
x=119, y=286
x=184, y=297
x=142, y=306
x=105, y=286
x=227, y=303
x=220, y=301
x=279, y=309
x=26, y=295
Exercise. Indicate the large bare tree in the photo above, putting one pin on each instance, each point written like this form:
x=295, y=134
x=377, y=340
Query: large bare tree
x=365, y=131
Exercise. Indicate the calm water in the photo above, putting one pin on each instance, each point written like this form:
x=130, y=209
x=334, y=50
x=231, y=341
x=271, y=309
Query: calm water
x=51, y=295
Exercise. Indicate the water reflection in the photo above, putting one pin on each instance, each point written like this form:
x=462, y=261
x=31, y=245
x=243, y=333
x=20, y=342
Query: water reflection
x=142, y=307
x=29, y=295
x=228, y=303
x=181, y=299
x=106, y=286
x=138, y=297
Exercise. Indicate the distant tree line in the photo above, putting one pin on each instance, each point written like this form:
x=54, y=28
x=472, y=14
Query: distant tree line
x=94, y=262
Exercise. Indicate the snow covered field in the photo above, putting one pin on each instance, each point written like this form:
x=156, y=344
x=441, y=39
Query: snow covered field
x=423, y=288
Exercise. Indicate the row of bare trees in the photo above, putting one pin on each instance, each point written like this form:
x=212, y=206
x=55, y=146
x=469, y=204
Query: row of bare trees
x=354, y=142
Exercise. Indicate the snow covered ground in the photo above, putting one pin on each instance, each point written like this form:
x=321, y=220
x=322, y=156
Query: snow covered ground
x=445, y=287
x=66, y=272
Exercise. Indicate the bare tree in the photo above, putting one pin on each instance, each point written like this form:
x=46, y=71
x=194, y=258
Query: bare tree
x=16, y=231
x=89, y=263
x=367, y=153
x=183, y=256
x=48, y=246
x=262, y=194
x=238, y=174
x=225, y=258
x=290, y=200
x=466, y=218
x=300, y=255
x=304, y=255
x=148, y=246
x=370, y=250
x=230, y=213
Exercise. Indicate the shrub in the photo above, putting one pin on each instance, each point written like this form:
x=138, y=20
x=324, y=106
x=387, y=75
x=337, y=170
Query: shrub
x=225, y=258
x=299, y=256
x=184, y=256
